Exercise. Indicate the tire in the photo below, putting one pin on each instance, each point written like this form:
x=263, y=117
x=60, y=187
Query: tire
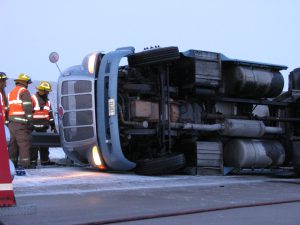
x=163, y=165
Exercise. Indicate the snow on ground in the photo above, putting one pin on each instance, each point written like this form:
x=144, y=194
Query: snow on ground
x=75, y=180
x=56, y=153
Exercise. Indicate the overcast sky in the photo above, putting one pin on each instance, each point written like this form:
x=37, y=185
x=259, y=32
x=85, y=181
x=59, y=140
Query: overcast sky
x=257, y=30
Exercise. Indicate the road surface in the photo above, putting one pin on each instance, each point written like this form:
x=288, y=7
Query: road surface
x=72, y=195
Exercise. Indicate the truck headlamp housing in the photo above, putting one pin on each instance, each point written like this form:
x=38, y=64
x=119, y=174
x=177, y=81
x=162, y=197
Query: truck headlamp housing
x=89, y=63
x=97, y=158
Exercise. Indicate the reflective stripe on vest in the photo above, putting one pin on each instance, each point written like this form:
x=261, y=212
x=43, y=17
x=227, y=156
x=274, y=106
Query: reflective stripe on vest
x=39, y=114
x=15, y=103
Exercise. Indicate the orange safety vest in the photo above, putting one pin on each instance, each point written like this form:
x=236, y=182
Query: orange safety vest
x=15, y=103
x=2, y=102
x=38, y=113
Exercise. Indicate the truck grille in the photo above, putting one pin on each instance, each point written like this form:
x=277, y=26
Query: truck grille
x=77, y=102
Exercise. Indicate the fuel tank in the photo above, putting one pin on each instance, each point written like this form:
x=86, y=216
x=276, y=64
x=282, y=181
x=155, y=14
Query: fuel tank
x=294, y=79
x=253, y=153
x=252, y=82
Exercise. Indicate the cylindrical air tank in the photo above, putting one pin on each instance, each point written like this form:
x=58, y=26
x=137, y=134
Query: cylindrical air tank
x=253, y=153
x=252, y=82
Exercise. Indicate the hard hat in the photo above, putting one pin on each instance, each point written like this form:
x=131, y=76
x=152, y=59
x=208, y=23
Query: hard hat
x=44, y=86
x=3, y=76
x=24, y=77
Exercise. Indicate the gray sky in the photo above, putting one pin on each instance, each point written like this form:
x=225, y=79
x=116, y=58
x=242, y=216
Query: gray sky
x=257, y=30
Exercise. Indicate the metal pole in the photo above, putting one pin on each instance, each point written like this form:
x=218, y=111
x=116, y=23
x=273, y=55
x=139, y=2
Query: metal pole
x=58, y=68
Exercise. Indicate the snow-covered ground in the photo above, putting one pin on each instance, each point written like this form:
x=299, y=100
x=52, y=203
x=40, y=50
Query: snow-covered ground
x=77, y=180
x=56, y=154
x=62, y=180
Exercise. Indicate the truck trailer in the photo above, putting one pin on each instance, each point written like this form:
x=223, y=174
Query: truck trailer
x=161, y=110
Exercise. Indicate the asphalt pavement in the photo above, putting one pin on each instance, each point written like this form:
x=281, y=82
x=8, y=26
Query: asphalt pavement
x=82, y=196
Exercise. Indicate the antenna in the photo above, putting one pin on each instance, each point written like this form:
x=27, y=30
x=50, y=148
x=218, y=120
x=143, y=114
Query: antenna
x=54, y=57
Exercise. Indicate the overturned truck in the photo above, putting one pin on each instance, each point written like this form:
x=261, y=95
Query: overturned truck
x=163, y=110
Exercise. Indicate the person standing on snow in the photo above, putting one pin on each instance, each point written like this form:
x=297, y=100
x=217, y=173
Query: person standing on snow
x=42, y=120
x=20, y=122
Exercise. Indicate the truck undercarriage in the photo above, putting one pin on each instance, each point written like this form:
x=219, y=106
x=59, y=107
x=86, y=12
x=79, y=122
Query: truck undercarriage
x=168, y=110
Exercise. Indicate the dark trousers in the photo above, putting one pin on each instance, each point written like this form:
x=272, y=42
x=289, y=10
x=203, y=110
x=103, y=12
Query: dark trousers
x=20, y=144
x=44, y=152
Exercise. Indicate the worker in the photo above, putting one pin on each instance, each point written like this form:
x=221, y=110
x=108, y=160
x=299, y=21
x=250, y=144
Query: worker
x=20, y=123
x=42, y=120
x=3, y=98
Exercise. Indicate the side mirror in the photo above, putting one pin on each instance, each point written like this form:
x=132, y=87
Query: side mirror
x=54, y=57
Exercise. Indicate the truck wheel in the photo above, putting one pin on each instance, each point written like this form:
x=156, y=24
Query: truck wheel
x=162, y=165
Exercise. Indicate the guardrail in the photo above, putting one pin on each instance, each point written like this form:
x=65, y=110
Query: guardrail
x=45, y=139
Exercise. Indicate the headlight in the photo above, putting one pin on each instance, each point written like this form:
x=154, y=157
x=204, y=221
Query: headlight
x=89, y=62
x=96, y=158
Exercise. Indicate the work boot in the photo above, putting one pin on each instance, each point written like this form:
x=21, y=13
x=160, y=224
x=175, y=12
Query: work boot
x=20, y=171
x=33, y=165
x=47, y=163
